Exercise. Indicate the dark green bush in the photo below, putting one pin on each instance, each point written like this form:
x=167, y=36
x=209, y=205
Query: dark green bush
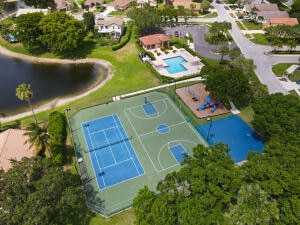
x=57, y=127
x=124, y=40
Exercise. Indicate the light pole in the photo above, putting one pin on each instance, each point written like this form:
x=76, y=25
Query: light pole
x=209, y=128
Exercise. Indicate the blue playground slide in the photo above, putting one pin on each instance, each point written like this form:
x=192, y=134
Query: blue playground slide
x=214, y=107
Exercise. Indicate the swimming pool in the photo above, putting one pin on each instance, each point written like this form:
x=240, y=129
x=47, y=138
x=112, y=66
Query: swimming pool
x=175, y=64
x=236, y=133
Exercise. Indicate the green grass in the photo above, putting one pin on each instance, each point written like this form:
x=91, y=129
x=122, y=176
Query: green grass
x=259, y=39
x=240, y=25
x=123, y=218
x=247, y=115
x=295, y=76
x=280, y=68
x=210, y=15
x=252, y=26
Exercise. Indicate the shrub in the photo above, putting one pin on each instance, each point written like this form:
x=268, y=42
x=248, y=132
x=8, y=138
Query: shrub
x=124, y=40
x=57, y=127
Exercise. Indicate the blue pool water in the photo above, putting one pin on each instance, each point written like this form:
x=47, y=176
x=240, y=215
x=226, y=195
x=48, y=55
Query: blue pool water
x=175, y=64
x=236, y=133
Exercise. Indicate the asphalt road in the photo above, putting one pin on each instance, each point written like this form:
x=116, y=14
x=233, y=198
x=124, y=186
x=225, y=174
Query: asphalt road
x=263, y=61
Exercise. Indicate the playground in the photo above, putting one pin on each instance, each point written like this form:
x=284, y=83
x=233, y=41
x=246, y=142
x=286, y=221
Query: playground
x=200, y=102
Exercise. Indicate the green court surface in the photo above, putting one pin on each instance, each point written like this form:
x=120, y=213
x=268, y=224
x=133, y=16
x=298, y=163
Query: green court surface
x=151, y=135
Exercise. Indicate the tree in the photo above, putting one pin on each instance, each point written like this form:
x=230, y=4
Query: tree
x=295, y=10
x=292, y=44
x=145, y=26
x=254, y=206
x=223, y=50
x=27, y=30
x=37, y=191
x=218, y=31
x=205, y=6
x=24, y=92
x=196, y=194
x=234, y=53
x=229, y=84
x=89, y=21
x=1, y=115
x=61, y=32
x=39, y=3
x=38, y=139
x=277, y=116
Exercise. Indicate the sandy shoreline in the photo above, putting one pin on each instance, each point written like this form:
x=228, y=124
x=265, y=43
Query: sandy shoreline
x=59, y=101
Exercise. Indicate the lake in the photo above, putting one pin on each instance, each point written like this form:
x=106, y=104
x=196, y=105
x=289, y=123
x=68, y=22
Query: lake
x=48, y=81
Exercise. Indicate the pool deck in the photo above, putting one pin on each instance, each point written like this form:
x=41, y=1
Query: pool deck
x=193, y=64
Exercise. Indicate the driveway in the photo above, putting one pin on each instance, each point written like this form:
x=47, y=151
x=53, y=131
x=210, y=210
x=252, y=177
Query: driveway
x=201, y=46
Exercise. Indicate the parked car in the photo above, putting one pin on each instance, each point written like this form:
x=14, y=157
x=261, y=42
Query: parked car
x=176, y=34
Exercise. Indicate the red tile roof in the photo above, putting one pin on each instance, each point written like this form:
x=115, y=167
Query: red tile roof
x=154, y=39
x=12, y=146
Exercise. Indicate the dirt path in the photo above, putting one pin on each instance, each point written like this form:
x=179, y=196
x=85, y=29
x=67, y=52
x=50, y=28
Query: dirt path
x=60, y=101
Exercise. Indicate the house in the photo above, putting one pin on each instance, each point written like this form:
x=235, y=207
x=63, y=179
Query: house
x=120, y=4
x=155, y=41
x=141, y=3
x=280, y=21
x=261, y=7
x=266, y=15
x=13, y=146
x=188, y=5
x=114, y=27
x=91, y=4
x=62, y=5
x=25, y=11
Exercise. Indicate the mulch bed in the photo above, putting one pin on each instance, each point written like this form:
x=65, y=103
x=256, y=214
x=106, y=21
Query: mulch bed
x=194, y=96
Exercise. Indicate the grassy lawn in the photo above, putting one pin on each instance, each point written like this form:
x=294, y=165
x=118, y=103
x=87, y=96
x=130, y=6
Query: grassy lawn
x=280, y=68
x=295, y=76
x=210, y=15
x=124, y=218
x=247, y=115
x=252, y=26
x=240, y=25
x=259, y=39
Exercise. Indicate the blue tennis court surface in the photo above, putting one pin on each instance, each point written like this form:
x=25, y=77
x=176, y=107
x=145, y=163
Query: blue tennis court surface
x=236, y=133
x=113, y=157
x=149, y=109
x=179, y=153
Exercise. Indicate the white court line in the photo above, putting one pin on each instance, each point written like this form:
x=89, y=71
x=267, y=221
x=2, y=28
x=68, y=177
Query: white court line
x=126, y=144
x=132, y=109
x=191, y=127
x=145, y=150
x=97, y=161
x=110, y=148
x=155, y=131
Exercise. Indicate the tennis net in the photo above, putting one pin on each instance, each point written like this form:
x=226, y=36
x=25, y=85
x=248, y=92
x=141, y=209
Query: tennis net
x=109, y=144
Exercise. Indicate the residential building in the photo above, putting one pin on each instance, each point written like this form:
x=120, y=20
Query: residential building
x=62, y=5
x=188, y=5
x=91, y=4
x=280, y=21
x=13, y=146
x=114, y=27
x=155, y=41
x=120, y=4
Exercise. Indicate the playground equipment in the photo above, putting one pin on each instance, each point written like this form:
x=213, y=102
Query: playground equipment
x=208, y=104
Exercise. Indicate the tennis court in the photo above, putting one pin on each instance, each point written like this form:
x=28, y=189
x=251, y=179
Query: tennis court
x=110, y=151
x=123, y=146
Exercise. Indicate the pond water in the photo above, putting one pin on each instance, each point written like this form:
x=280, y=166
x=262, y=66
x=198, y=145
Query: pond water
x=47, y=81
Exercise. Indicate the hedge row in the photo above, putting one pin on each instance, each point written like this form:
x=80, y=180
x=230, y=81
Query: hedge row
x=57, y=126
x=124, y=40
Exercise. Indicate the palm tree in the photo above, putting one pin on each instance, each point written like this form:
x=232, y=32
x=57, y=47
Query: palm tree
x=38, y=139
x=23, y=92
